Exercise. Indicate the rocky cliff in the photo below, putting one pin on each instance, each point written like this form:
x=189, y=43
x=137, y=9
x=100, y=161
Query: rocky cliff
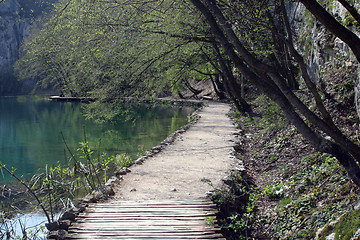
x=325, y=50
x=12, y=31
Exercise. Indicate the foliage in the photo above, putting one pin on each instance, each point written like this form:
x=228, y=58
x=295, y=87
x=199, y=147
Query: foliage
x=236, y=202
x=269, y=117
x=301, y=190
x=56, y=188
x=306, y=196
x=109, y=50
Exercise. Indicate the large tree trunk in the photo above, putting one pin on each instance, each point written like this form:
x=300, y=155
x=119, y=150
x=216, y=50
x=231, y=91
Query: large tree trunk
x=272, y=77
x=234, y=89
x=263, y=76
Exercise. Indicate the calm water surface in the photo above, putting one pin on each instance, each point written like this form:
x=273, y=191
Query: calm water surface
x=30, y=131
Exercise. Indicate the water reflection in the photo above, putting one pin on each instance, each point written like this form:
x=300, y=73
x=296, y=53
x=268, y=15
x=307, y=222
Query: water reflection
x=30, y=130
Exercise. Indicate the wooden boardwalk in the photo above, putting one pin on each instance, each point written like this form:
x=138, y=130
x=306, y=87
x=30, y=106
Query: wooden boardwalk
x=148, y=219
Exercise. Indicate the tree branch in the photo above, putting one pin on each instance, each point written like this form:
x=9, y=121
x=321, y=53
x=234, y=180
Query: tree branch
x=334, y=26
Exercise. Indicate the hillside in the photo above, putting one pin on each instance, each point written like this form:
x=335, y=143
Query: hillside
x=16, y=17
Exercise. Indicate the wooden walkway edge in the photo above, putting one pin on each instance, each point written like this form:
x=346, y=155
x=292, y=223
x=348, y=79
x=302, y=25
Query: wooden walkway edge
x=148, y=219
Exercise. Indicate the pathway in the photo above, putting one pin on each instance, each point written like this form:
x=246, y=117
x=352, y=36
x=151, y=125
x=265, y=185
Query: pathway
x=165, y=197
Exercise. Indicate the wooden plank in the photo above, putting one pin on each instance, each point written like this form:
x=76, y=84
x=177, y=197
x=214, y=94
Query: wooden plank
x=130, y=218
x=158, y=233
x=147, y=232
x=178, y=204
x=141, y=227
x=84, y=236
x=148, y=209
x=167, y=219
x=100, y=215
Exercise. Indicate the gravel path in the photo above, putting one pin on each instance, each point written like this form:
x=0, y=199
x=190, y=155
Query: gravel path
x=184, y=169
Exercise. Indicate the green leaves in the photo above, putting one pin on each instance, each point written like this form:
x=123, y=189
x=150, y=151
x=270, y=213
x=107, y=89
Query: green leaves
x=111, y=50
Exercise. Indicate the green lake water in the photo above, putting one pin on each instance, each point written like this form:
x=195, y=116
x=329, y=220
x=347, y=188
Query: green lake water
x=30, y=131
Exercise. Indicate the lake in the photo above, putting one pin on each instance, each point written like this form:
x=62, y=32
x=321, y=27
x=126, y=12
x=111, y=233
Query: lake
x=31, y=127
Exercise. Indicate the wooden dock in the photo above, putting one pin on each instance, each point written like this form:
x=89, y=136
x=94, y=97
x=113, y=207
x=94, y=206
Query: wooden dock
x=70, y=99
x=148, y=219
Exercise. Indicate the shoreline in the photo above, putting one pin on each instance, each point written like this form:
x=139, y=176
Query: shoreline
x=107, y=192
x=58, y=229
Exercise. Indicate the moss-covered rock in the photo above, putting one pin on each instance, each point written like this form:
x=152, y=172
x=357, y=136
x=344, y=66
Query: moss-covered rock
x=345, y=227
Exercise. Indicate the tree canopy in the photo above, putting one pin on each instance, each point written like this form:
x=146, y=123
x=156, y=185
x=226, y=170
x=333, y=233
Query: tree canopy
x=107, y=50
x=112, y=49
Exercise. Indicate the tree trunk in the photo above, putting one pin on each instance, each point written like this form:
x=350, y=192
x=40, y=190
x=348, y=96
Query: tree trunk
x=278, y=93
x=218, y=86
x=352, y=10
x=233, y=86
x=193, y=90
x=334, y=26
x=231, y=42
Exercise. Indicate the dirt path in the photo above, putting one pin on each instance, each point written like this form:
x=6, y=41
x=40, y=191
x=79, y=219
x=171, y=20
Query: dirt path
x=164, y=197
x=201, y=154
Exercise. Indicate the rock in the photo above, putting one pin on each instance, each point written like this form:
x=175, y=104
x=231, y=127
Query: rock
x=113, y=181
x=103, y=192
x=207, y=98
x=330, y=237
x=81, y=206
x=238, y=148
x=209, y=193
x=58, y=234
x=227, y=180
x=13, y=30
x=139, y=162
x=65, y=224
x=88, y=199
x=155, y=151
x=133, y=190
x=173, y=190
x=206, y=180
x=123, y=171
x=156, y=148
x=68, y=215
x=52, y=226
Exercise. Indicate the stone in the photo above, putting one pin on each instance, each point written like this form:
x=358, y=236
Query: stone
x=65, y=224
x=227, y=180
x=88, y=199
x=112, y=181
x=139, y=161
x=173, y=190
x=81, y=206
x=58, y=234
x=52, y=226
x=103, y=192
x=124, y=170
x=209, y=193
x=68, y=215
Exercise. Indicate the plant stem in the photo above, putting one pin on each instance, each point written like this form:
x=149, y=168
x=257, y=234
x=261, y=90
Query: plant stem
x=30, y=190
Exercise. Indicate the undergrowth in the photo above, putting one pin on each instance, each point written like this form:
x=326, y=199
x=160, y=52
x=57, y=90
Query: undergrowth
x=298, y=190
x=55, y=189
x=236, y=201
